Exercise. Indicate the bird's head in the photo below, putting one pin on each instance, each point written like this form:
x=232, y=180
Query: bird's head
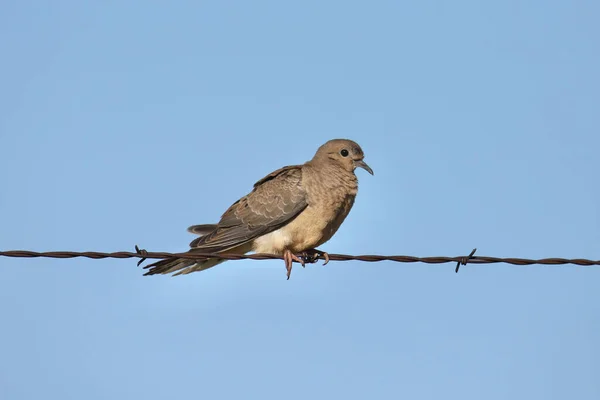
x=345, y=153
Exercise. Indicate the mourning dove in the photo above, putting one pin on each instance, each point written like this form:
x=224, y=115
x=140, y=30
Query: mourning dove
x=288, y=213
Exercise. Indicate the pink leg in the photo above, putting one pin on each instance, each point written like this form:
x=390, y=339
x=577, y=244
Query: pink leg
x=289, y=258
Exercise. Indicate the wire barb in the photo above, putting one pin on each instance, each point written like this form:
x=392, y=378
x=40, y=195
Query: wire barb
x=141, y=252
x=464, y=260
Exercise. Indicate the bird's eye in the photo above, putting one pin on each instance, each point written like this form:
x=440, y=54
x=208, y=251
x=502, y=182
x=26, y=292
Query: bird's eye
x=344, y=153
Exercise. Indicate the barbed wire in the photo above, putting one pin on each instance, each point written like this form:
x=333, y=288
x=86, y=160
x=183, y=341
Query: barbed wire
x=459, y=260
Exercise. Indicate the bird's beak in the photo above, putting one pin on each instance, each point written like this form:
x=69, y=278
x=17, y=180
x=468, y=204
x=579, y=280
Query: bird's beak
x=363, y=165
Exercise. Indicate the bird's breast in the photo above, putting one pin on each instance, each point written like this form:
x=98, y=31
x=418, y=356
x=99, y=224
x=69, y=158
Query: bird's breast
x=313, y=227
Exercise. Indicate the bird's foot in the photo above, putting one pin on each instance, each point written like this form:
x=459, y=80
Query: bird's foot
x=313, y=255
x=289, y=258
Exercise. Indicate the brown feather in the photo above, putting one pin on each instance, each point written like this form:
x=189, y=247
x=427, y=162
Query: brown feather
x=275, y=200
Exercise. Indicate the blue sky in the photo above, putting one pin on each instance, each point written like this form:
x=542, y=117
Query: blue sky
x=123, y=123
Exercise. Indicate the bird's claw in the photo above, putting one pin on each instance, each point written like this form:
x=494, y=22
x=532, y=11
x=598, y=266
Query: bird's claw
x=312, y=256
x=309, y=256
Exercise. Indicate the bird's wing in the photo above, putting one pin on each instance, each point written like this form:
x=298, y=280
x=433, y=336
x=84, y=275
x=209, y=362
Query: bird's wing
x=276, y=200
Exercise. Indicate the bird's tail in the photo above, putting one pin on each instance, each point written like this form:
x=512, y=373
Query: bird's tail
x=180, y=266
x=184, y=265
x=202, y=229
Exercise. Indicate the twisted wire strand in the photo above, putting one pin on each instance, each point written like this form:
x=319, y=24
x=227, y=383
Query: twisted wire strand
x=460, y=260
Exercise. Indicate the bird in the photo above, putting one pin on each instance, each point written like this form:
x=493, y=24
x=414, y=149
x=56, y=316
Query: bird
x=288, y=213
